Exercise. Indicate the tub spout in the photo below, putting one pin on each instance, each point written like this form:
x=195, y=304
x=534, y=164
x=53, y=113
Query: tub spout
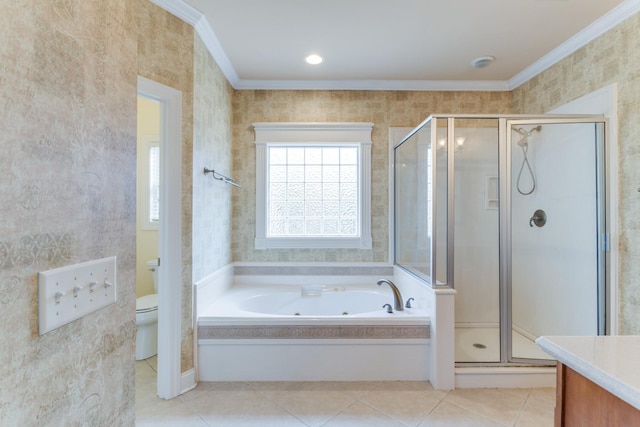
x=397, y=298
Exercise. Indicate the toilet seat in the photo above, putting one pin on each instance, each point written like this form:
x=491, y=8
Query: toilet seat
x=147, y=303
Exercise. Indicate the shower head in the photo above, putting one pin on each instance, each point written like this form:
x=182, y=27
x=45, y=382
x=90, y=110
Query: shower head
x=525, y=134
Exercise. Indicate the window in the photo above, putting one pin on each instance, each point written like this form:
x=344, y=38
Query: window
x=313, y=185
x=150, y=176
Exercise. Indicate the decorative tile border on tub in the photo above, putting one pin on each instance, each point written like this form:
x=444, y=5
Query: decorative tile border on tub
x=313, y=270
x=313, y=332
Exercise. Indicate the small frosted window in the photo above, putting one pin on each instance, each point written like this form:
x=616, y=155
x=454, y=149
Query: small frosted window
x=313, y=191
x=154, y=183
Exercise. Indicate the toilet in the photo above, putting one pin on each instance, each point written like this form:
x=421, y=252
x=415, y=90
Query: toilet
x=147, y=318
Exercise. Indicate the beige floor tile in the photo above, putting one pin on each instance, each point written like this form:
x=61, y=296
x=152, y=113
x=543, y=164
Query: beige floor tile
x=205, y=387
x=547, y=394
x=144, y=373
x=350, y=388
x=314, y=407
x=148, y=404
x=361, y=415
x=410, y=406
x=502, y=405
x=241, y=408
x=403, y=385
x=450, y=415
x=179, y=415
x=538, y=409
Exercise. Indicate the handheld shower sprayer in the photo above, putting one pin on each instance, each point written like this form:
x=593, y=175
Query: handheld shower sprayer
x=524, y=144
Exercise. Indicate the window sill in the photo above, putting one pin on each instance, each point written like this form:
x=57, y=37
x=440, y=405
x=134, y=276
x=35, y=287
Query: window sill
x=313, y=243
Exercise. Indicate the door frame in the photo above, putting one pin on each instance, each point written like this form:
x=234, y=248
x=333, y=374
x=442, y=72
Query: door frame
x=602, y=233
x=170, y=235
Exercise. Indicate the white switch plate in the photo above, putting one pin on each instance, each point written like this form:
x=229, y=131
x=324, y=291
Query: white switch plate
x=68, y=293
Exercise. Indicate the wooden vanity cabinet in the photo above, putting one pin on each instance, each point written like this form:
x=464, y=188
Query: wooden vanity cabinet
x=581, y=402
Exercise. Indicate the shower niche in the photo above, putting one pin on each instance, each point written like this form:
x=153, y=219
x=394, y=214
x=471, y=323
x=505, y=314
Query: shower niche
x=510, y=212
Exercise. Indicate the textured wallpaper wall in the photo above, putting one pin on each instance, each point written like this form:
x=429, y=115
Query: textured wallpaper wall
x=67, y=195
x=613, y=57
x=384, y=109
x=165, y=55
x=211, y=148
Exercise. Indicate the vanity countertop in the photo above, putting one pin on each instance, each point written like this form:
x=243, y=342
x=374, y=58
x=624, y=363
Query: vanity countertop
x=612, y=362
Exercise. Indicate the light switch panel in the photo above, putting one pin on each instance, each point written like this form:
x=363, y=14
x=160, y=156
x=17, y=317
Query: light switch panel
x=71, y=292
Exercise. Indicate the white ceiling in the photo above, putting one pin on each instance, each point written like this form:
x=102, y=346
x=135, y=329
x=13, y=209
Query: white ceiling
x=401, y=44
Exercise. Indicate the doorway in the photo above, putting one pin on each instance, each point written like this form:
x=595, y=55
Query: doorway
x=170, y=235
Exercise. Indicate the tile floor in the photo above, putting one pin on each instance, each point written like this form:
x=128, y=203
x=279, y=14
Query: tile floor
x=329, y=404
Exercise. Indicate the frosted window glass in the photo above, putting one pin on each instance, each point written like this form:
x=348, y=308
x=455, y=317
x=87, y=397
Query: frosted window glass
x=277, y=226
x=313, y=209
x=295, y=209
x=278, y=209
x=331, y=191
x=278, y=156
x=331, y=174
x=330, y=209
x=348, y=156
x=278, y=191
x=295, y=156
x=313, y=156
x=348, y=192
x=295, y=226
x=154, y=183
x=295, y=174
x=295, y=191
x=349, y=174
x=278, y=174
x=348, y=226
x=313, y=174
x=331, y=156
x=313, y=191
x=331, y=227
x=314, y=226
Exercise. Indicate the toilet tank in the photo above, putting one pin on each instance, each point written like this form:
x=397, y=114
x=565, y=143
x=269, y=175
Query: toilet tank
x=152, y=265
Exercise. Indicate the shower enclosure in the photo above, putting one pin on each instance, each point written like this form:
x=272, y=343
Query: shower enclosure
x=509, y=211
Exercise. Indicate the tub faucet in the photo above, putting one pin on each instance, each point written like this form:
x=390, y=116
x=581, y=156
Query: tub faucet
x=397, y=298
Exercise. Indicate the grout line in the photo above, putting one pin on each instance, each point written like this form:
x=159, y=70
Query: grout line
x=524, y=403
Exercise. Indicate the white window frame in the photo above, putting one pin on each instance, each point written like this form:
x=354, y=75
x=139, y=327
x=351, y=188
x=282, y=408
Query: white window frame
x=148, y=141
x=320, y=134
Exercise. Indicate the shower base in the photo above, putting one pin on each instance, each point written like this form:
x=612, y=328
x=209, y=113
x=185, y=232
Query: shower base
x=482, y=344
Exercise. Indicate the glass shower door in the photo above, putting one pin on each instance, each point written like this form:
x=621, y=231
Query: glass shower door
x=555, y=212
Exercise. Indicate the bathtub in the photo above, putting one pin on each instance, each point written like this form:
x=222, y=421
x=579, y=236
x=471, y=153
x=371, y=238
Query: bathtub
x=309, y=329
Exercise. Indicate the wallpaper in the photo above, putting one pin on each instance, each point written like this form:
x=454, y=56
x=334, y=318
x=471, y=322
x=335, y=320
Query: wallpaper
x=212, y=149
x=165, y=55
x=613, y=57
x=67, y=195
x=384, y=109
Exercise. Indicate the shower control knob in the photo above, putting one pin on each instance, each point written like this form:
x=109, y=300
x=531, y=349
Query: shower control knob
x=539, y=218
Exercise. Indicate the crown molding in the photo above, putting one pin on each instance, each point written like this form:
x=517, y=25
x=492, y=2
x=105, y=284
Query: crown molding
x=395, y=85
x=202, y=27
x=608, y=21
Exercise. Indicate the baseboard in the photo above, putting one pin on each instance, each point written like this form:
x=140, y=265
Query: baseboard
x=188, y=381
x=505, y=377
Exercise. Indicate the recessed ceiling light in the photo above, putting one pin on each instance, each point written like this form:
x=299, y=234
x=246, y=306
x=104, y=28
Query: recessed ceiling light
x=314, y=59
x=482, y=61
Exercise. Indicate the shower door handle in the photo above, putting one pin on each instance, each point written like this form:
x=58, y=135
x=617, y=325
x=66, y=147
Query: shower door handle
x=539, y=218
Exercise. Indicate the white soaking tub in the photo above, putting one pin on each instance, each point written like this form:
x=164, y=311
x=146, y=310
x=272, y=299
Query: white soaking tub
x=322, y=328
